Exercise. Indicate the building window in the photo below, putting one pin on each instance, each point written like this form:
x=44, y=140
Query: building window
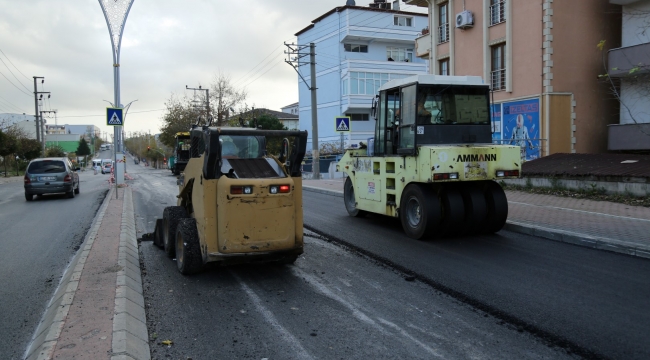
x=443, y=67
x=399, y=54
x=498, y=67
x=358, y=117
x=403, y=21
x=443, y=28
x=497, y=11
x=367, y=83
x=356, y=48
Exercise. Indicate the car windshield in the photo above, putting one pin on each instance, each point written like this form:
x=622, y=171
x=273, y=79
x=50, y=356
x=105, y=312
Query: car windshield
x=46, y=166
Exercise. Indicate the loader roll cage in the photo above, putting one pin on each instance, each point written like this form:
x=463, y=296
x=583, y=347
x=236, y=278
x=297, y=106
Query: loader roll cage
x=429, y=114
x=248, y=151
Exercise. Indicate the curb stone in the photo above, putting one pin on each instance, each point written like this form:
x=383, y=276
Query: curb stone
x=593, y=242
x=130, y=336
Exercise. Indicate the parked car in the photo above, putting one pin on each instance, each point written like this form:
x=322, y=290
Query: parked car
x=106, y=168
x=51, y=176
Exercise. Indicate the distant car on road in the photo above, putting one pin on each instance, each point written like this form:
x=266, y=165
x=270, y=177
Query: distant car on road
x=51, y=176
x=106, y=168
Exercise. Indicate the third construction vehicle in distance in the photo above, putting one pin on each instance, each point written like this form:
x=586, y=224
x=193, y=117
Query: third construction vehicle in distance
x=432, y=162
x=181, y=155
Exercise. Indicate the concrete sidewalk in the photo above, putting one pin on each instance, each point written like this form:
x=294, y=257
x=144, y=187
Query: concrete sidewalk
x=597, y=224
x=97, y=311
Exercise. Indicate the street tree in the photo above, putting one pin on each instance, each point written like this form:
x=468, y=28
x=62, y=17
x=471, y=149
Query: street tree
x=267, y=122
x=83, y=149
x=179, y=117
x=54, y=151
x=29, y=149
x=224, y=96
x=8, y=146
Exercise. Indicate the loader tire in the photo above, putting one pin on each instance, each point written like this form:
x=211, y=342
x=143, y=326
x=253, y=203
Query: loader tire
x=171, y=217
x=188, y=248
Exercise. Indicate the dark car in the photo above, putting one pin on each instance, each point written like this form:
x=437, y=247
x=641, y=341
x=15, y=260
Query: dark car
x=51, y=176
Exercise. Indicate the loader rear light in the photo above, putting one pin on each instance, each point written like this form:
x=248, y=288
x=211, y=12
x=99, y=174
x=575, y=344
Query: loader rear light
x=445, y=176
x=279, y=189
x=506, y=173
x=241, y=190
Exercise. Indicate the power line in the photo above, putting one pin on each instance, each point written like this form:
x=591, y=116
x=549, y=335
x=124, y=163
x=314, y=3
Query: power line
x=131, y=112
x=12, y=73
x=3, y=53
x=19, y=89
x=12, y=105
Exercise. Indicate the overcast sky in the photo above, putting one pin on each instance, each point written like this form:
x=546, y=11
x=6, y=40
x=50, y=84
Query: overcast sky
x=166, y=45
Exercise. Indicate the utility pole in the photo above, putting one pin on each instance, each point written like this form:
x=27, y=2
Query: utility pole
x=39, y=124
x=48, y=111
x=208, y=120
x=298, y=52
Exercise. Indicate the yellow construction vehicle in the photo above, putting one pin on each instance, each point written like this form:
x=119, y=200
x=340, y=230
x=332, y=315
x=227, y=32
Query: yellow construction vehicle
x=240, y=199
x=432, y=162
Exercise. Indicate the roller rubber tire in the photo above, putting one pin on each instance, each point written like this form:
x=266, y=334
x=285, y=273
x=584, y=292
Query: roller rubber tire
x=350, y=201
x=188, y=247
x=475, y=209
x=171, y=217
x=453, y=210
x=420, y=211
x=497, y=207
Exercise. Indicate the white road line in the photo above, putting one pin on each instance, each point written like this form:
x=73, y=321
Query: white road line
x=580, y=211
x=286, y=335
x=410, y=337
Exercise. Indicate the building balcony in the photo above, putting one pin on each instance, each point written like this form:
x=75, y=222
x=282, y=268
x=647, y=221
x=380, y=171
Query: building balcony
x=423, y=46
x=629, y=60
x=628, y=137
x=420, y=3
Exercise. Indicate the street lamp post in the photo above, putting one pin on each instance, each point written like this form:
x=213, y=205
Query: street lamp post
x=116, y=12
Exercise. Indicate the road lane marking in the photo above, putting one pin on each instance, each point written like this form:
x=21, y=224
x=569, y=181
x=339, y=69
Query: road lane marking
x=268, y=316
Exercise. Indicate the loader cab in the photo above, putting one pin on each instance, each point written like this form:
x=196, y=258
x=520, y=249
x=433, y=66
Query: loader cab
x=248, y=152
x=431, y=110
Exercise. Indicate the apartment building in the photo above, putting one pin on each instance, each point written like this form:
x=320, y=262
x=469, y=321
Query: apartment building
x=542, y=61
x=358, y=48
x=629, y=71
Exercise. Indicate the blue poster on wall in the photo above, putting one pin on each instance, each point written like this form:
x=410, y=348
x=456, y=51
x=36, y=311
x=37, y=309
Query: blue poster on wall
x=521, y=126
x=496, y=123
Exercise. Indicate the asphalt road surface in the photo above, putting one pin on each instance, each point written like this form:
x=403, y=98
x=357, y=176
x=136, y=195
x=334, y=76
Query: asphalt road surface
x=342, y=301
x=593, y=302
x=37, y=241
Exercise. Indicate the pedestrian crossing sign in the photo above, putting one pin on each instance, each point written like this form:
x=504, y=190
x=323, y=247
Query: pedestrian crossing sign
x=114, y=117
x=342, y=124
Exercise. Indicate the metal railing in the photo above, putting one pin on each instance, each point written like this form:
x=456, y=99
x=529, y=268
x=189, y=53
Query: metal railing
x=499, y=79
x=443, y=33
x=530, y=149
x=498, y=13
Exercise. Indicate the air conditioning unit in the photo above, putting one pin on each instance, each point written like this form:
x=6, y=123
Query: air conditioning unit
x=464, y=20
